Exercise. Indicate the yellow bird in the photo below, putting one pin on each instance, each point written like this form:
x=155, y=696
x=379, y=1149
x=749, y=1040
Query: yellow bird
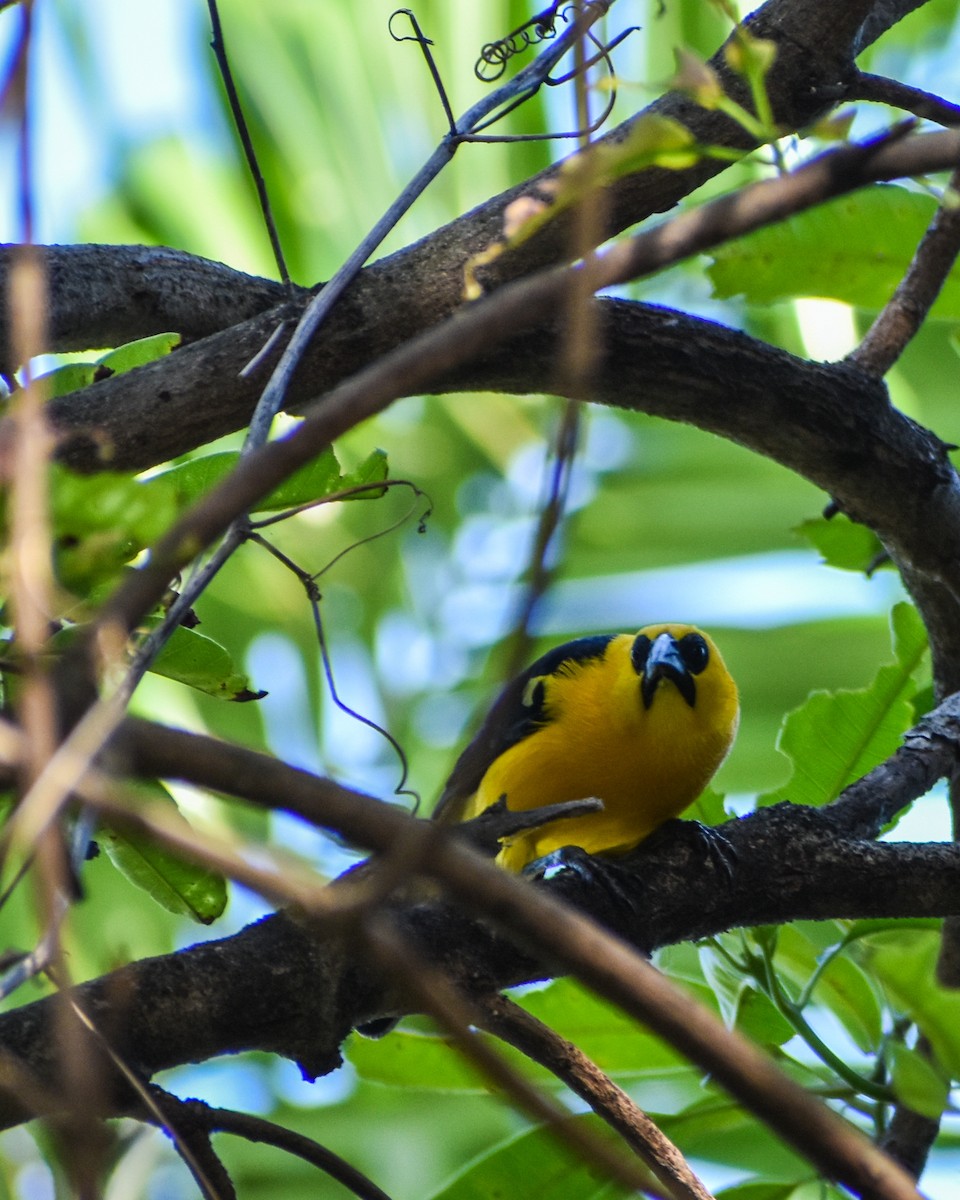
x=640, y=721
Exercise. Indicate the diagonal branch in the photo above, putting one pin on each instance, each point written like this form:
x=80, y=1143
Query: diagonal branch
x=544, y=1045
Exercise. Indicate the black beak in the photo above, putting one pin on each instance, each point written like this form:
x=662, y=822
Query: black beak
x=665, y=662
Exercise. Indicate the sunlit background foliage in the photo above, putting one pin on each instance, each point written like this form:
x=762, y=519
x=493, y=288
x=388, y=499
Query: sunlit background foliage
x=134, y=143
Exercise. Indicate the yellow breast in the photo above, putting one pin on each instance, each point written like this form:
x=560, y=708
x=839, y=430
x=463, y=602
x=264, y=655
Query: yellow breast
x=598, y=738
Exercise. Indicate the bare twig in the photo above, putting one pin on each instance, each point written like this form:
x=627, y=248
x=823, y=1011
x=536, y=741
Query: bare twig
x=236, y=109
x=511, y=1023
x=907, y=308
x=525, y=83
x=925, y=105
x=435, y=995
x=201, y=1116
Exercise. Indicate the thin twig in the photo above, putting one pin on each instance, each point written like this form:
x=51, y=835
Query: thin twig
x=571, y=1066
x=434, y=994
x=268, y=1133
x=925, y=105
x=236, y=109
x=202, y=1164
x=908, y=307
x=271, y=399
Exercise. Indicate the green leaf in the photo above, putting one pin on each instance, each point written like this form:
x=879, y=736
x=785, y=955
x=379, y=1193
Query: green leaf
x=534, y=1166
x=204, y=664
x=192, y=479
x=316, y=479
x=843, y=543
x=917, y=1083
x=709, y=808
x=757, y=1190
x=832, y=251
x=71, y=377
x=843, y=987
x=100, y=522
x=744, y=1007
x=866, y=928
x=375, y=468
x=905, y=964
x=835, y=737
x=176, y=884
x=421, y=1061
x=428, y=1062
x=136, y=354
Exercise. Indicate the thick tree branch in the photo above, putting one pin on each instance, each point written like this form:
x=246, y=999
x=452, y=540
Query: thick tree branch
x=412, y=290
x=790, y=863
x=815, y=42
x=900, y=460
x=105, y=295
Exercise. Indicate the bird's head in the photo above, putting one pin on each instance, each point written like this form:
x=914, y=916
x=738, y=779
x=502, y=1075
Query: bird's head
x=684, y=659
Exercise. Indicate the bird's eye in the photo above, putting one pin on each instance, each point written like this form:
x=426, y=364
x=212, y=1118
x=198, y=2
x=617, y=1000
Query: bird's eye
x=695, y=652
x=640, y=652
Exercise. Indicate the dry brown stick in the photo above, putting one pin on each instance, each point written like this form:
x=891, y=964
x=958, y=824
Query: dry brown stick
x=907, y=308
x=433, y=993
x=544, y=1045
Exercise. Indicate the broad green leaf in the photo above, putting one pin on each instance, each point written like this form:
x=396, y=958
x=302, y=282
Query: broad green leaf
x=744, y=1007
x=843, y=987
x=135, y=354
x=709, y=808
x=866, y=928
x=316, y=480
x=103, y=521
x=178, y=885
x=720, y=1131
x=916, y=1081
x=321, y=478
x=534, y=1166
x=832, y=251
x=834, y=738
x=757, y=1190
x=204, y=664
x=71, y=377
x=419, y=1061
x=842, y=542
x=375, y=468
x=192, y=479
x=613, y=1040
x=313, y=481
x=905, y=964
x=81, y=504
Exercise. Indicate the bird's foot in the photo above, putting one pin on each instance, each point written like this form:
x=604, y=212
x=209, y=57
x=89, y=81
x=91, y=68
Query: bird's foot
x=707, y=839
x=587, y=871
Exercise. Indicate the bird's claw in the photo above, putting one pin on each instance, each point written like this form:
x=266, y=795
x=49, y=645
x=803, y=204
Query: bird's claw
x=588, y=871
